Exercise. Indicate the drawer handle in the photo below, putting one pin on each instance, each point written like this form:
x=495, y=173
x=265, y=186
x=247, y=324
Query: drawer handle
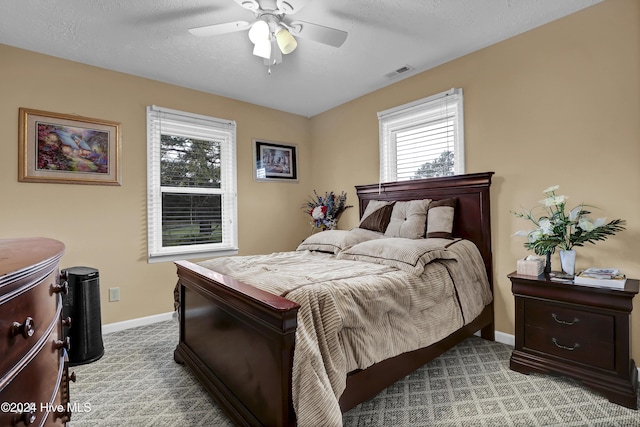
x=28, y=418
x=564, y=322
x=66, y=343
x=25, y=329
x=564, y=347
x=64, y=415
x=62, y=288
x=66, y=322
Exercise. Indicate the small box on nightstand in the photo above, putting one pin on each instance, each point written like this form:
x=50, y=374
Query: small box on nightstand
x=531, y=266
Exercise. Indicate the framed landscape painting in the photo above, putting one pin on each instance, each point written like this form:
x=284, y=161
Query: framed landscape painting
x=275, y=161
x=68, y=149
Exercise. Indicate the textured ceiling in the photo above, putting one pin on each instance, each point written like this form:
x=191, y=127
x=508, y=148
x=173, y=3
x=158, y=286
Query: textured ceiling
x=149, y=38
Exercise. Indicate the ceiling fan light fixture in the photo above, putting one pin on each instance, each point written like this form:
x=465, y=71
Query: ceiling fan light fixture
x=259, y=32
x=262, y=49
x=286, y=42
x=271, y=33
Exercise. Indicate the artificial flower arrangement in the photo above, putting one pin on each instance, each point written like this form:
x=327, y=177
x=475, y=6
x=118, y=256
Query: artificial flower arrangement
x=555, y=228
x=325, y=211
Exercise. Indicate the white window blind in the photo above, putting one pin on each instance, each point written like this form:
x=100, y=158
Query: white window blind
x=424, y=138
x=191, y=185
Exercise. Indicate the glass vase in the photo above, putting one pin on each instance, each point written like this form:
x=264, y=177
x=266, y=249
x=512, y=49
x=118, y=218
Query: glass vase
x=568, y=261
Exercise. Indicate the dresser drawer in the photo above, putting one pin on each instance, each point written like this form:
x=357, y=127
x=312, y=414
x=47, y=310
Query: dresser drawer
x=37, y=384
x=41, y=306
x=570, y=333
x=60, y=402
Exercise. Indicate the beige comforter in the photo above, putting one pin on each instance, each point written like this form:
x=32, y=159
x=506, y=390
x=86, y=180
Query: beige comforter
x=370, y=302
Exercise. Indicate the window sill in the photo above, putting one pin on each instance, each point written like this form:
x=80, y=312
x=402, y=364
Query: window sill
x=190, y=255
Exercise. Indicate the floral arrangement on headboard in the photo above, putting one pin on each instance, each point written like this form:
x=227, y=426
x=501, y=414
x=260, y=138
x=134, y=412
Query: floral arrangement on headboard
x=325, y=211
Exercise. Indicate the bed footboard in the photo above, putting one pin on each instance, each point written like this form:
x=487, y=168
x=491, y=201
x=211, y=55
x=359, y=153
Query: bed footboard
x=238, y=341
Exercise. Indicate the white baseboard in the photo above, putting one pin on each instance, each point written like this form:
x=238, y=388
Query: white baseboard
x=141, y=321
x=505, y=338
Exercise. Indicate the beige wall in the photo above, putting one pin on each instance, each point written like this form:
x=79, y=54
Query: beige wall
x=557, y=105
x=105, y=227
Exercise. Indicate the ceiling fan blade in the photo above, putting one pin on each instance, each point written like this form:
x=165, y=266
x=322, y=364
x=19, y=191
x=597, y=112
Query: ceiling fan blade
x=291, y=6
x=216, y=29
x=319, y=33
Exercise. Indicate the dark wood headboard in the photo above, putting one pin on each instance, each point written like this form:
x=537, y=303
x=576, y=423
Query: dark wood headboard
x=472, y=215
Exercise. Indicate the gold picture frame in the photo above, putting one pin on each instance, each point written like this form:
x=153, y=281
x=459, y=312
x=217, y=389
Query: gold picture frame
x=67, y=149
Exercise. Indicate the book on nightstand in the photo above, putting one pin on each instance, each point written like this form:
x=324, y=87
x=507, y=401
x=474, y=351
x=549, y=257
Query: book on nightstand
x=601, y=277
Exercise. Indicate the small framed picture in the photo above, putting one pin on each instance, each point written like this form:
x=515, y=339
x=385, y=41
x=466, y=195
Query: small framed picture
x=68, y=149
x=275, y=161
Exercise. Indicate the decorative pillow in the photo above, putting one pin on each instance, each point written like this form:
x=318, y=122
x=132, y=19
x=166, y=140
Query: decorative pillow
x=408, y=219
x=410, y=255
x=363, y=234
x=440, y=218
x=376, y=216
x=333, y=241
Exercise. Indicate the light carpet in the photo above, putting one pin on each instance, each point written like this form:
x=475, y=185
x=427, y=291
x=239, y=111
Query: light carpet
x=137, y=383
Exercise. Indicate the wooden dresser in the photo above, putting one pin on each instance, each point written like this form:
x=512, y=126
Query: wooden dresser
x=34, y=379
x=578, y=331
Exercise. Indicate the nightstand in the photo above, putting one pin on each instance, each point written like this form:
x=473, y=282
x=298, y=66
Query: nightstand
x=578, y=331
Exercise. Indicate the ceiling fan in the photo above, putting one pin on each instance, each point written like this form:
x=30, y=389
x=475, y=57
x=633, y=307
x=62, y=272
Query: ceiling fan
x=272, y=32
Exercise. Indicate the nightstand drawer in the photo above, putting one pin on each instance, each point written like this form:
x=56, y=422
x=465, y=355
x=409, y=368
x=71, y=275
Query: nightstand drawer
x=580, y=325
x=563, y=343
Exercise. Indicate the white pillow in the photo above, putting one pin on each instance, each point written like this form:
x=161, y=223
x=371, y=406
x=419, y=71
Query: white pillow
x=408, y=219
x=334, y=241
x=410, y=255
x=440, y=218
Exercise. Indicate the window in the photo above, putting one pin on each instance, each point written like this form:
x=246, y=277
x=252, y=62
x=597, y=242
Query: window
x=423, y=139
x=191, y=185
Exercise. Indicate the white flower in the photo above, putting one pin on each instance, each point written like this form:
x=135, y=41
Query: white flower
x=551, y=189
x=560, y=199
x=535, y=235
x=553, y=201
x=573, y=214
x=599, y=222
x=522, y=233
x=586, y=224
x=317, y=213
x=546, y=226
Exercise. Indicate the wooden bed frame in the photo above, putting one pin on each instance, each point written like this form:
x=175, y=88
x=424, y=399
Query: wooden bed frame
x=239, y=340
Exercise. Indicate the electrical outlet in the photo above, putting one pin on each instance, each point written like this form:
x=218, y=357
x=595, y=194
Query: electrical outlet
x=114, y=294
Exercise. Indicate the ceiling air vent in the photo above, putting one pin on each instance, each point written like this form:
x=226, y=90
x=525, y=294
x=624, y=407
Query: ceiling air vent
x=398, y=72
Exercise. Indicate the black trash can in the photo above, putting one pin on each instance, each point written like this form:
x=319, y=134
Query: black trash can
x=82, y=305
